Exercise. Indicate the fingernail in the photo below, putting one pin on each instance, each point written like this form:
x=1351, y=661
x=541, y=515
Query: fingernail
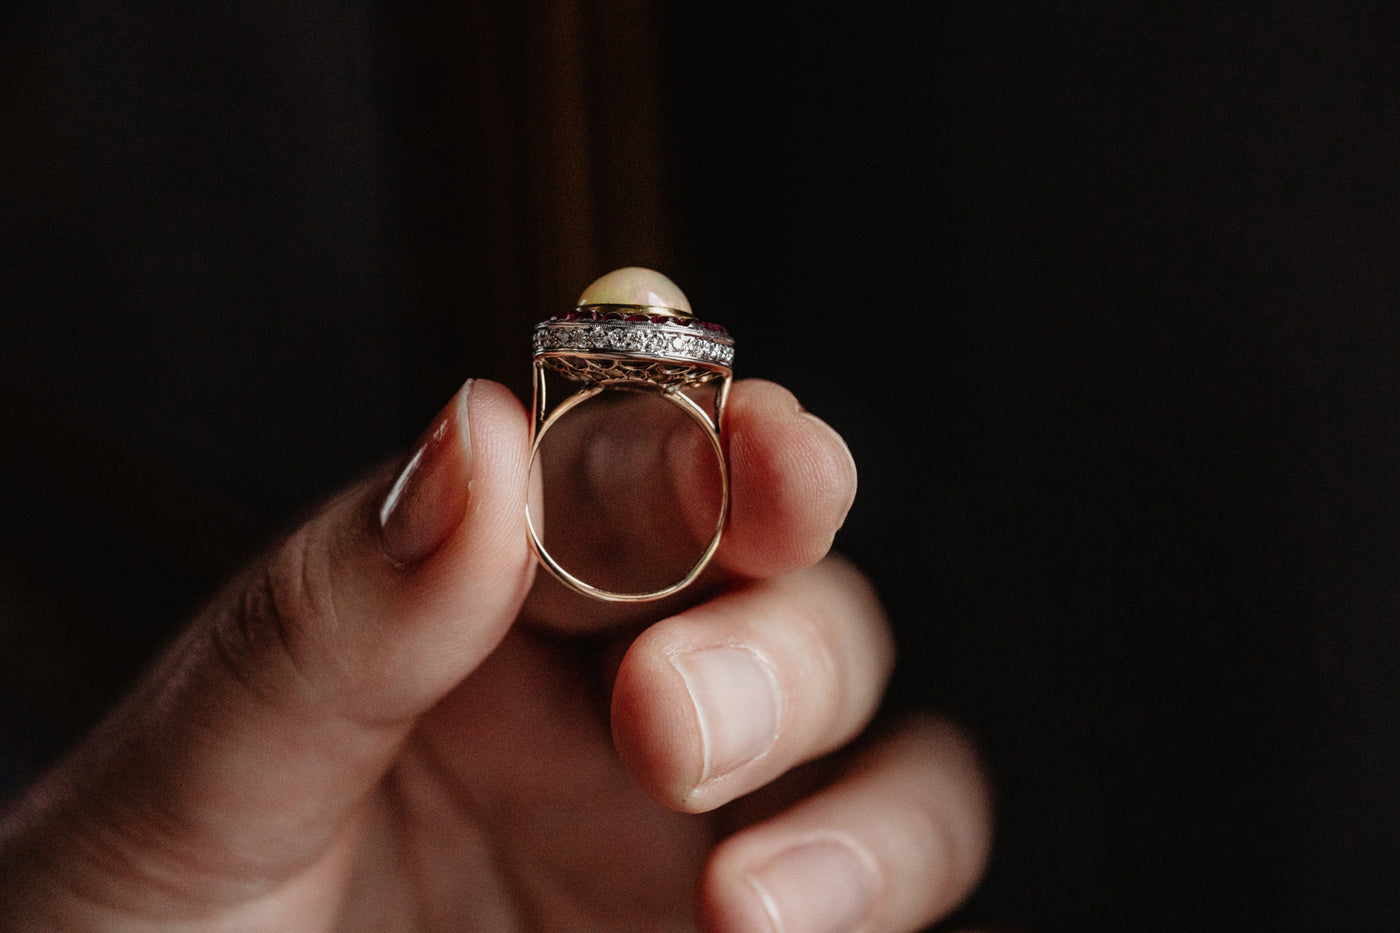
x=427, y=500
x=817, y=887
x=736, y=701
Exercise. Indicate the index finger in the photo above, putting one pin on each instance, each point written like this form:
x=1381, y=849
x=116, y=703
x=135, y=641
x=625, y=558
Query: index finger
x=792, y=482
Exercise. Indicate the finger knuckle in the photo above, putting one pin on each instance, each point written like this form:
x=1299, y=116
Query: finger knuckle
x=271, y=630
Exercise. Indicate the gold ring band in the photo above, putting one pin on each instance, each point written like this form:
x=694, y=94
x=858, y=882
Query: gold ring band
x=638, y=346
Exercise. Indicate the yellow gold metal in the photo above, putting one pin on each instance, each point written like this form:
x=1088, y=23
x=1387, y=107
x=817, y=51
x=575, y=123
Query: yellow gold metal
x=606, y=343
x=679, y=314
x=709, y=422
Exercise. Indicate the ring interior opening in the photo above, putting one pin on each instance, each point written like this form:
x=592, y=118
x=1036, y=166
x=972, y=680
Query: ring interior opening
x=631, y=491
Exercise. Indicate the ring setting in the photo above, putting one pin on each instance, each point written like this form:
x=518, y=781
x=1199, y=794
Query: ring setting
x=631, y=343
x=633, y=330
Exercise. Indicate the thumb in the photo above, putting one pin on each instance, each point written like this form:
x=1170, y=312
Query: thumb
x=243, y=760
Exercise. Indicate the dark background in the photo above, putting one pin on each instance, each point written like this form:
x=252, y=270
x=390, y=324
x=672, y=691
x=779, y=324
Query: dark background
x=1103, y=297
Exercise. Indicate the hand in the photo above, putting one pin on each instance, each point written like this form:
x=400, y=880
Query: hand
x=384, y=726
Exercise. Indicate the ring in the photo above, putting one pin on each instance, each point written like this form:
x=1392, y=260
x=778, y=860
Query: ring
x=633, y=330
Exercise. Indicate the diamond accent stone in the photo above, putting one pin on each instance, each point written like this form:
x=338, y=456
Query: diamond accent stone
x=591, y=346
x=634, y=325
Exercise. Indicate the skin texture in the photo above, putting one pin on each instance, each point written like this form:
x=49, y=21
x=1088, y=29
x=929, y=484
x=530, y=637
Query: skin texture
x=391, y=724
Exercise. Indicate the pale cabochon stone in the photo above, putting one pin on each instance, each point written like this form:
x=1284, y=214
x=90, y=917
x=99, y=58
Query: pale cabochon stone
x=633, y=285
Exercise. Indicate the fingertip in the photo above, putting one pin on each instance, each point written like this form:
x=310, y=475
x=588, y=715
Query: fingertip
x=794, y=482
x=821, y=882
x=728, y=904
x=490, y=549
x=656, y=740
x=499, y=430
x=692, y=715
x=452, y=604
x=896, y=842
x=839, y=465
x=468, y=457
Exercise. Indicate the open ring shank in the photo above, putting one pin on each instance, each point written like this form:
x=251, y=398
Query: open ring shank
x=711, y=429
